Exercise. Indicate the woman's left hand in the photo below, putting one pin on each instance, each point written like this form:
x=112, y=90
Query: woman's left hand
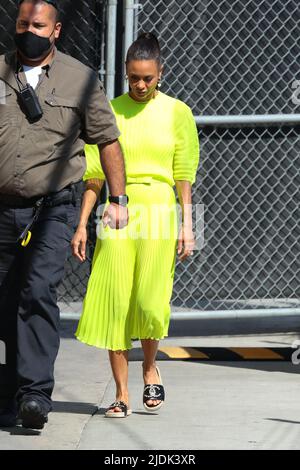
x=186, y=242
x=78, y=243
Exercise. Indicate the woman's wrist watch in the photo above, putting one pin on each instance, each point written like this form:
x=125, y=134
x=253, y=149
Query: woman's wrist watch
x=122, y=200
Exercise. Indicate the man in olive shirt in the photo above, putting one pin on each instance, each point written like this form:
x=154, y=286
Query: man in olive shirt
x=43, y=129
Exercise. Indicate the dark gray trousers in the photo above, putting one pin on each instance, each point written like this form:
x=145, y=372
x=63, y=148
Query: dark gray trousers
x=29, y=315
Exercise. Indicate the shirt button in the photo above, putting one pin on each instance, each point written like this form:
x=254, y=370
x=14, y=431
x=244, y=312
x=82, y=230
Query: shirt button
x=15, y=174
x=18, y=156
x=22, y=136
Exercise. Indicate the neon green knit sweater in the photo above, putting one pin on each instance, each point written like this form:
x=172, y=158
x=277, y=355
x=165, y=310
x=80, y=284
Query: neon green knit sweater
x=158, y=138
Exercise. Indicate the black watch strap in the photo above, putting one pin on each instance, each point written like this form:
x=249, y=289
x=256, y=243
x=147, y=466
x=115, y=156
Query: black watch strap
x=121, y=200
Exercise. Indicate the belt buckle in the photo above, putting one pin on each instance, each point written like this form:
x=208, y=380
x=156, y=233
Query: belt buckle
x=139, y=179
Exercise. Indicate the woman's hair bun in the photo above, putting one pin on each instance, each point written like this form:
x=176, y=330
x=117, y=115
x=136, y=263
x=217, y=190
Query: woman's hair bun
x=146, y=47
x=148, y=37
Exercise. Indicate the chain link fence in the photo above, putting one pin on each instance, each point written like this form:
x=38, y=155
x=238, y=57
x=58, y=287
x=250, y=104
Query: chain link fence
x=83, y=37
x=82, y=33
x=237, y=57
x=221, y=57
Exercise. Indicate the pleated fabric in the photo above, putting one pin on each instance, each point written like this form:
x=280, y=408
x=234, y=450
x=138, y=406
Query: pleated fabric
x=130, y=287
x=158, y=138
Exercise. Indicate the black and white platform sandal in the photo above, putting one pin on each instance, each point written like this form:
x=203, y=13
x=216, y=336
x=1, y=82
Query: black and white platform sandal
x=118, y=414
x=154, y=392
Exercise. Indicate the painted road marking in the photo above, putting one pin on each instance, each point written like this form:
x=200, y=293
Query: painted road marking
x=183, y=353
x=257, y=353
x=168, y=353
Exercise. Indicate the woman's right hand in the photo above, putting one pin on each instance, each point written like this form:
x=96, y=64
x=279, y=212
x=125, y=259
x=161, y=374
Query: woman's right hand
x=78, y=243
x=186, y=241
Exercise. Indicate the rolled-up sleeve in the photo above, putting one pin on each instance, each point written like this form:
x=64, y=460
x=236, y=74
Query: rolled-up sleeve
x=186, y=157
x=99, y=123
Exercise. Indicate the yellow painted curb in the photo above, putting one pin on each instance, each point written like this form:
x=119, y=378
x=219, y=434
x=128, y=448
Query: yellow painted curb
x=183, y=353
x=256, y=353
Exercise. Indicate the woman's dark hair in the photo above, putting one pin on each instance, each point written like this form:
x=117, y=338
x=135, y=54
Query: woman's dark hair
x=146, y=47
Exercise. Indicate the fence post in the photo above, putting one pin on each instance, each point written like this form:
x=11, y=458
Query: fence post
x=129, y=30
x=111, y=47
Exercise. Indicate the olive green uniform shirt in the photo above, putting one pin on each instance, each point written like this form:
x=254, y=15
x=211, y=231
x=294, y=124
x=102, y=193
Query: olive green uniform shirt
x=46, y=156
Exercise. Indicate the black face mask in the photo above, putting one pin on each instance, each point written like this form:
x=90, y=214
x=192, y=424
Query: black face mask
x=32, y=46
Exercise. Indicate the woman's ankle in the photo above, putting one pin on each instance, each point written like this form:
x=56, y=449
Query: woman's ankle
x=148, y=367
x=122, y=395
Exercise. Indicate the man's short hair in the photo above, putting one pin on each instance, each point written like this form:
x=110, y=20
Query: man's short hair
x=50, y=2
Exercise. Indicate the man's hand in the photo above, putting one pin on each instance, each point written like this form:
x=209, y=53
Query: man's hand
x=115, y=216
x=78, y=243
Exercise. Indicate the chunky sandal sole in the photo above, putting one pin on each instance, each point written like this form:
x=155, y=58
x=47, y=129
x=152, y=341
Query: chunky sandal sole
x=117, y=414
x=151, y=409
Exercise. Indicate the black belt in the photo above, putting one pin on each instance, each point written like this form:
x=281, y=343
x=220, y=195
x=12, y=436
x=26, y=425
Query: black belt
x=70, y=194
x=67, y=195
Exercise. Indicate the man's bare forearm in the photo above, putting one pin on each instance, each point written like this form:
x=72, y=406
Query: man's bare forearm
x=113, y=165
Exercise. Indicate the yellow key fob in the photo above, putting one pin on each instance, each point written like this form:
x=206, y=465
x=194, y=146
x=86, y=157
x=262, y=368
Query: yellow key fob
x=26, y=240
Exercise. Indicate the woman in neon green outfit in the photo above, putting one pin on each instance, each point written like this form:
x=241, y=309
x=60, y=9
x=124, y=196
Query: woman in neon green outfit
x=130, y=287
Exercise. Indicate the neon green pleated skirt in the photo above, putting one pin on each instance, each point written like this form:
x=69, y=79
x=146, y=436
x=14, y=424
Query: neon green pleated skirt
x=130, y=287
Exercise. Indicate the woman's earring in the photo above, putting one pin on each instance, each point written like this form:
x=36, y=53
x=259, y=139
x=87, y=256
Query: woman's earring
x=126, y=78
x=159, y=84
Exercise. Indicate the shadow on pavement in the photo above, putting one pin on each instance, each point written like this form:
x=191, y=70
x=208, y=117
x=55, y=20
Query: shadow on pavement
x=282, y=420
x=234, y=327
x=266, y=366
x=194, y=328
x=58, y=407
x=74, y=407
x=19, y=431
x=68, y=328
x=101, y=411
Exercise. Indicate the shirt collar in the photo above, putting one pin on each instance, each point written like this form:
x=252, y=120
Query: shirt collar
x=18, y=67
x=11, y=65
